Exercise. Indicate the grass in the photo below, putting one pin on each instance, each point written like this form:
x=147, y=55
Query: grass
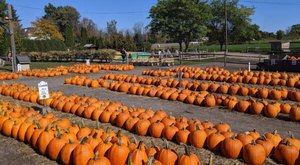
x=41, y=65
x=258, y=46
x=193, y=62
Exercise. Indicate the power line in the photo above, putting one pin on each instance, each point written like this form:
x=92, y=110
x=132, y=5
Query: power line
x=270, y=3
x=90, y=12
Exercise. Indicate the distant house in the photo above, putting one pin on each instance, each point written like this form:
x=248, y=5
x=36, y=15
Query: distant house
x=90, y=46
x=29, y=33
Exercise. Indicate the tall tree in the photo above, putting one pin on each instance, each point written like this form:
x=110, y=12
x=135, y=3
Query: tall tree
x=69, y=39
x=90, y=26
x=46, y=29
x=279, y=34
x=182, y=20
x=63, y=16
x=111, y=27
x=4, y=37
x=138, y=35
x=83, y=36
x=238, y=18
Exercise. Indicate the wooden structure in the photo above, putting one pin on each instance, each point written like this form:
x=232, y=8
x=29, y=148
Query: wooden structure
x=23, y=63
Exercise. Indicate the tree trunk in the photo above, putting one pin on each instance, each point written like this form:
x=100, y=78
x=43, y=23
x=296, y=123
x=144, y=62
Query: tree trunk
x=186, y=45
x=180, y=46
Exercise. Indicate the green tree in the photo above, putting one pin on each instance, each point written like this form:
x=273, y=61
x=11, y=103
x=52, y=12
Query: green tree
x=69, y=39
x=182, y=20
x=280, y=34
x=46, y=29
x=238, y=18
x=83, y=36
x=63, y=16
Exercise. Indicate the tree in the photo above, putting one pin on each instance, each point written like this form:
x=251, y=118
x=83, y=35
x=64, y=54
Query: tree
x=138, y=35
x=90, y=26
x=69, y=37
x=253, y=33
x=279, y=34
x=83, y=36
x=238, y=18
x=63, y=16
x=294, y=31
x=46, y=29
x=111, y=27
x=4, y=37
x=181, y=20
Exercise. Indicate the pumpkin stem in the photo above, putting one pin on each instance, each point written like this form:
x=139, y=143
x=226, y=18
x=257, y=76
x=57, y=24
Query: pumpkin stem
x=129, y=161
x=291, y=134
x=70, y=141
x=140, y=145
x=96, y=155
x=187, y=150
x=84, y=140
x=253, y=142
x=119, y=141
x=198, y=127
x=58, y=133
x=106, y=139
x=82, y=123
x=275, y=132
x=95, y=135
x=288, y=143
x=211, y=160
x=166, y=143
x=151, y=160
x=97, y=124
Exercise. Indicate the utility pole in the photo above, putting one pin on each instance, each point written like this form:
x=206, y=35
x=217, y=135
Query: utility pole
x=12, y=39
x=226, y=41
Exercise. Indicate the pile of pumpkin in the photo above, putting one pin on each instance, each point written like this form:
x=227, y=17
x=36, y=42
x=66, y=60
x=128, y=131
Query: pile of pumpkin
x=201, y=98
x=224, y=88
x=293, y=57
x=8, y=75
x=222, y=75
x=67, y=143
x=217, y=138
x=50, y=72
x=94, y=68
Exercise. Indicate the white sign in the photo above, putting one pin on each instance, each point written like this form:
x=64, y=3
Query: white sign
x=294, y=62
x=87, y=62
x=43, y=90
x=19, y=67
x=273, y=62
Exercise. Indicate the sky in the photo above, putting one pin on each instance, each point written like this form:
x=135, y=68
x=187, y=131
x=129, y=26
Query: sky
x=270, y=15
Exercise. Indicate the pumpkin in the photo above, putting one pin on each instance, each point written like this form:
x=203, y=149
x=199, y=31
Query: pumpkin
x=286, y=153
x=267, y=144
x=118, y=153
x=169, y=132
x=182, y=135
x=231, y=147
x=44, y=139
x=55, y=145
x=166, y=156
x=139, y=156
x=188, y=158
x=271, y=110
x=245, y=138
x=198, y=137
x=295, y=113
x=254, y=154
x=82, y=153
x=274, y=137
x=210, y=101
x=213, y=141
x=156, y=128
x=141, y=127
x=103, y=147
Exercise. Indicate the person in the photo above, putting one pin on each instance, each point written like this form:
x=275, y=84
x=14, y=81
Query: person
x=123, y=55
x=152, y=54
x=129, y=57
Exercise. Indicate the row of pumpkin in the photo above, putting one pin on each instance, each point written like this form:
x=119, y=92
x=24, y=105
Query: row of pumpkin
x=202, y=98
x=222, y=75
x=67, y=143
x=76, y=68
x=231, y=89
x=8, y=75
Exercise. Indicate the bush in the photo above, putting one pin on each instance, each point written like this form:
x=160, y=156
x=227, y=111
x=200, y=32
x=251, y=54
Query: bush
x=106, y=55
x=43, y=45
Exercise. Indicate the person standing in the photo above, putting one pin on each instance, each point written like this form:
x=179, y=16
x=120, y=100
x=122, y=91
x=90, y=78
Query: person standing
x=123, y=55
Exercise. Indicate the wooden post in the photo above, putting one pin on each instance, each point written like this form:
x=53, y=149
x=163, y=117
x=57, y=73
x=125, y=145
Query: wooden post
x=12, y=39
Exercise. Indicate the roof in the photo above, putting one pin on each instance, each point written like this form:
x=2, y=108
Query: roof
x=89, y=46
x=23, y=60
